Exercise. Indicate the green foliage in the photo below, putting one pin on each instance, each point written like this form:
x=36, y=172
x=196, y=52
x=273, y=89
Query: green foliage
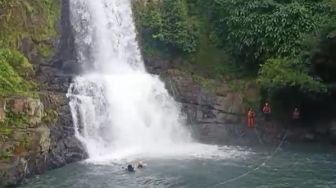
x=6, y=156
x=14, y=120
x=290, y=43
x=50, y=116
x=319, y=49
x=206, y=83
x=14, y=72
x=260, y=29
x=5, y=131
x=236, y=86
x=29, y=23
x=278, y=74
x=18, y=61
x=169, y=23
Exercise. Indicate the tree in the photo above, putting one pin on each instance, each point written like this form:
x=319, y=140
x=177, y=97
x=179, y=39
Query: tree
x=257, y=30
x=168, y=22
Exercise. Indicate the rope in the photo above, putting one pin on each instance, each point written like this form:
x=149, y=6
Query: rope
x=259, y=139
x=255, y=169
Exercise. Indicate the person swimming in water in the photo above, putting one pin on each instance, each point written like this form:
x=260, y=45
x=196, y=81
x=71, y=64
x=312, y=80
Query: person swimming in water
x=141, y=164
x=130, y=168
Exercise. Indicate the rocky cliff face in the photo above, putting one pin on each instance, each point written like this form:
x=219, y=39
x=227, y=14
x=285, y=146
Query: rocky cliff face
x=216, y=109
x=36, y=132
x=64, y=147
x=42, y=135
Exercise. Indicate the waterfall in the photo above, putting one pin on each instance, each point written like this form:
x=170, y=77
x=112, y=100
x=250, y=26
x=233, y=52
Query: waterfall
x=118, y=109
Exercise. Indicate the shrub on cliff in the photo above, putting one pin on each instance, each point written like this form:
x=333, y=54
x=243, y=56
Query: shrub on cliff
x=278, y=74
x=18, y=61
x=29, y=26
x=14, y=74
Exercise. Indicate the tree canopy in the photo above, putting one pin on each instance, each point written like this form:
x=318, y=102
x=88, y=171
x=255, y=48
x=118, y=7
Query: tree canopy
x=290, y=44
x=168, y=22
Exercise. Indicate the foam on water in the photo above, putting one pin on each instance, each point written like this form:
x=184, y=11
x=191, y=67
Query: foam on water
x=119, y=110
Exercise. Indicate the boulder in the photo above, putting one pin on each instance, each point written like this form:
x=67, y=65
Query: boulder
x=44, y=139
x=34, y=109
x=17, y=104
x=11, y=174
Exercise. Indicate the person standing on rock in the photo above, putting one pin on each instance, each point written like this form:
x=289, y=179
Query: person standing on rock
x=250, y=118
x=267, y=112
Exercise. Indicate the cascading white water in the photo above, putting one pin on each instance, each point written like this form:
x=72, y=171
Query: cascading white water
x=119, y=110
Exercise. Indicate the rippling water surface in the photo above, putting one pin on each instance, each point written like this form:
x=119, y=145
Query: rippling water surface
x=300, y=166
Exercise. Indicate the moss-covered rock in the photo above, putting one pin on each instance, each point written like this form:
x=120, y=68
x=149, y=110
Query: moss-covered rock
x=29, y=26
x=15, y=74
x=50, y=116
x=22, y=112
x=22, y=148
x=33, y=93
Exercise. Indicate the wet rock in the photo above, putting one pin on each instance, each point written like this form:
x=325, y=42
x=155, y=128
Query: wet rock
x=35, y=109
x=220, y=106
x=65, y=58
x=44, y=140
x=64, y=146
x=39, y=147
x=55, y=80
x=157, y=66
x=11, y=174
x=216, y=113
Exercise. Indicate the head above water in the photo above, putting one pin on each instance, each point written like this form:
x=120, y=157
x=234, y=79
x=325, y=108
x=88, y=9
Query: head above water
x=141, y=164
x=130, y=168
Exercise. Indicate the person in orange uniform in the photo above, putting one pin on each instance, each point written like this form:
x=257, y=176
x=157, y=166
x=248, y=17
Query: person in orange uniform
x=267, y=112
x=250, y=118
